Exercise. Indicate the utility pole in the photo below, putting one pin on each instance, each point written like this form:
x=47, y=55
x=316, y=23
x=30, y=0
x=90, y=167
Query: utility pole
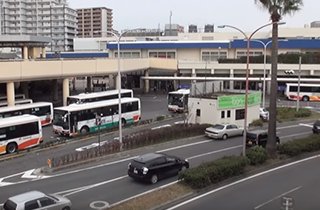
x=170, y=34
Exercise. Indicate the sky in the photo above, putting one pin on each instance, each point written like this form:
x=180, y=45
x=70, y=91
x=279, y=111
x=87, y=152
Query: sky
x=153, y=14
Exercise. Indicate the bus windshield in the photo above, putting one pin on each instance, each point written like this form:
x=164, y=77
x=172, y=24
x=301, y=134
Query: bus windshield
x=175, y=99
x=61, y=118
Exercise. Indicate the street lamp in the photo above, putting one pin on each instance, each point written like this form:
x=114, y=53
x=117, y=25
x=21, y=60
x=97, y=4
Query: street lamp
x=265, y=45
x=118, y=37
x=248, y=38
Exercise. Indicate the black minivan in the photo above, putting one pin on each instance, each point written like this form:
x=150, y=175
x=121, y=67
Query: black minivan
x=152, y=167
x=258, y=137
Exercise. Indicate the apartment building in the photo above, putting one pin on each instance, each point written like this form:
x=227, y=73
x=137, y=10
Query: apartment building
x=94, y=22
x=49, y=18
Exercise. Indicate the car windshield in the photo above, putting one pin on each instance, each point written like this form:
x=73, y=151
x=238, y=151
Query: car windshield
x=218, y=126
x=263, y=110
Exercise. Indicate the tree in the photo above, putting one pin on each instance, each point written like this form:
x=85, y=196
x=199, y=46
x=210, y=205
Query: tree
x=277, y=9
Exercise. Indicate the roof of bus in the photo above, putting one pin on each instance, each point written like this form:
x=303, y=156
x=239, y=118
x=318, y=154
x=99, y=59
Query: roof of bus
x=181, y=91
x=77, y=107
x=303, y=84
x=24, y=106
x=102, y=93
x=18, y=120
x=17, y=102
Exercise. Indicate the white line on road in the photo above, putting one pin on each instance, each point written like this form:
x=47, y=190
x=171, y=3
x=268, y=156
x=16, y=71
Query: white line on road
x=213, y=152
x=307, y=125
x=275, y=198
x=240, y=181
x=186, y=145
x=297, y=134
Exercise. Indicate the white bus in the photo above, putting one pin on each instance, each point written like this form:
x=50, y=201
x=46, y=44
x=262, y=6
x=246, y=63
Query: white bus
x=98, y=96
x=308, y=92
x=43, y=110
x=17, y=97
x=82, y=118
x=178, y=100
x=19, y=132
x=16, y=102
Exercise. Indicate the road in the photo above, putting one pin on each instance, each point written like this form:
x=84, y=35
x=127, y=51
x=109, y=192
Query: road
x=107, y=181
x=296, y=185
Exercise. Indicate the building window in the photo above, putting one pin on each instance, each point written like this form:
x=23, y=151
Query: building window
x=162, y=54
x=222, y=115
x=128, y=54
x=239, y=114
x=228, y=114
x=251, y=53
x=198, y=112
x=213, y=55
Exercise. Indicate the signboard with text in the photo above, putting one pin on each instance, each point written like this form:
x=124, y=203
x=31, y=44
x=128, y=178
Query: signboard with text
x=237, y=101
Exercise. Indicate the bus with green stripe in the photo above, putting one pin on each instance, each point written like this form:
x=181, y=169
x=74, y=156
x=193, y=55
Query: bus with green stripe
x=83, y=118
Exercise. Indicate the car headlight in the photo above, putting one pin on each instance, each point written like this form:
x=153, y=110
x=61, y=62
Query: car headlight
x=145, y=170
x=186, y=160
x=129, y=165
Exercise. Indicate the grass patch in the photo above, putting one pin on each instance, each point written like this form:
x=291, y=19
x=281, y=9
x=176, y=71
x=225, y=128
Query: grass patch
x=289, y=114
x=156, y=198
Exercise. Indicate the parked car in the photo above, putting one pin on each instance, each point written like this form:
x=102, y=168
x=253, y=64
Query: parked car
x=152, y=167
x=37, y=200
x=316, y=127
x=258, y=137
x=223, y=131
x=264, y=114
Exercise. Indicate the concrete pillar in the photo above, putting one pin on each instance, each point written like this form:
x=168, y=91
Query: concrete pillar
x=43, y=52
x=89, y=84
x=117, y=81
x=146, y=82
x=111, y=81
x=25, y=53
x=10, y=93
x=268, y=85
x=25, y=89
x=55, y=90
x=175, y=82
x=65, y=91
x=231, y=84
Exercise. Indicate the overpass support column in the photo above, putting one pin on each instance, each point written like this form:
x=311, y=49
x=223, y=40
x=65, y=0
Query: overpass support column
x=268, y=85
x=146, y=82
x=25, y=52
x=175, y=82
x=111, y=81
x=193, y=82
x=10, y=93
x=65, y=91
x=55, y=90
x=25, y=88
x=89, y=84
x=43, y=52
x=231, y=84
x=117, y=81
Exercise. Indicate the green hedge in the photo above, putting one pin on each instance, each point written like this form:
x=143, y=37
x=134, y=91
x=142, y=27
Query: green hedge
x=257, y=155
x=299, y=146
x=214, y=172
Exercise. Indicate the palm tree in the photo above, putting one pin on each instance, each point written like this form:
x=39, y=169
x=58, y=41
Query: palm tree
x=276, y=9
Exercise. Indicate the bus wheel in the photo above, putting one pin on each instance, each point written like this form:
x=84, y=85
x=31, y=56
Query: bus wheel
x=84, y=130
x=11, y=148
x=123, y=122
x=305, y=98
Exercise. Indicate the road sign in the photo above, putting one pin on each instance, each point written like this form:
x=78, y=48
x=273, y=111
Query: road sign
x=287, y=203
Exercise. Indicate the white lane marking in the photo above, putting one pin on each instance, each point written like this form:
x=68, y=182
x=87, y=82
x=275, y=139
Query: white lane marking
x=185, y=145
x=29, y=175
x=293, y=135
x=240, y=181
x=289, y=126
x=95, y=185
x=277, y=197
x=307, y=125
x=213, y=152
x=146, y=192
x=161, y=126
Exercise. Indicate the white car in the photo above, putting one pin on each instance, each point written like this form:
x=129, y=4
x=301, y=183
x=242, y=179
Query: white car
x=223, y=131
x=36, y=200
x=264, y=114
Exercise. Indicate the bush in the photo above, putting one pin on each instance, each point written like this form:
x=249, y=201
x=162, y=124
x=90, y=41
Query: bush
x=214, y=172
x=299, y=146
x=257, y=155
x=258, y=123
x=303, y=113
x=161, y=117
